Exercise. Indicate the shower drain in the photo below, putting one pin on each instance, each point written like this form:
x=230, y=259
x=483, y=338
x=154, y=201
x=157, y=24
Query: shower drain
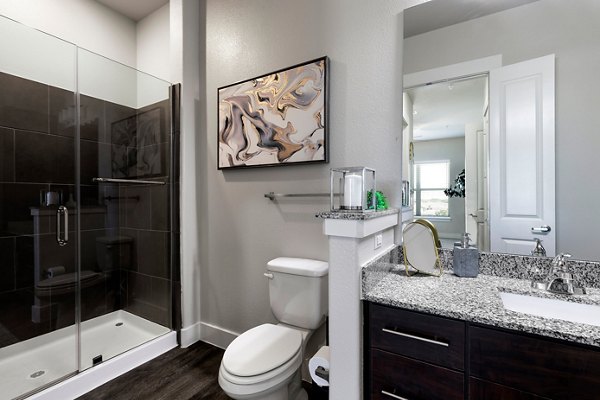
x=118, y=324
x=37, y=374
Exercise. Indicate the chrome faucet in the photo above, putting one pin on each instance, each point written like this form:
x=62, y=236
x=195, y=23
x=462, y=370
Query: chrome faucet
x=560, y=280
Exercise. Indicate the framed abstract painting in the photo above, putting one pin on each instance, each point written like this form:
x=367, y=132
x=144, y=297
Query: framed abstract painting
x=275, y=119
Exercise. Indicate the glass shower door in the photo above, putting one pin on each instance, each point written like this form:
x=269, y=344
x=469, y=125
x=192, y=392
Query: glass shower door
x=38, y=212
x=85, y=209
x=125, y=135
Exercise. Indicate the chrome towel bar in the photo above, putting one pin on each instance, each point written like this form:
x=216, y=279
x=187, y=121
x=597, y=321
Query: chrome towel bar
x=273, y=196
x=134, y=181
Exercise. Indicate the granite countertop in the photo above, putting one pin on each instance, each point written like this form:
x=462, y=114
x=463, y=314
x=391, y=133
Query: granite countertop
x=350, y=215
x=472, y=299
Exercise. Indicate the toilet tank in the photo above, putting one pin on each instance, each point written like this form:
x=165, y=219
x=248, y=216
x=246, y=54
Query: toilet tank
x=114, y=252
x=298, y=291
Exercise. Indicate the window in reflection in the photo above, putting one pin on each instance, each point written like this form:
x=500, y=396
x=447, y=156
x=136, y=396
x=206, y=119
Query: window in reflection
x=431, y=179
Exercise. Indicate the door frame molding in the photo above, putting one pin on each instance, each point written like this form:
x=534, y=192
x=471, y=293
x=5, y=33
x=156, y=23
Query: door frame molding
x=453, y=71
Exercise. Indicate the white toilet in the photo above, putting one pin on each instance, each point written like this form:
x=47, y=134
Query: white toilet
x=264, y=362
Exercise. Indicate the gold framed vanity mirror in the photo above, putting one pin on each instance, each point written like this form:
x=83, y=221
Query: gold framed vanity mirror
x=420, y=250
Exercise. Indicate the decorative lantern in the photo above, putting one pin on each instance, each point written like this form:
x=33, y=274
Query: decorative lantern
x=353, y=189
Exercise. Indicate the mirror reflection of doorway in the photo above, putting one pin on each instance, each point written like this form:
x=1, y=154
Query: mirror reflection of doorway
x=447, y=170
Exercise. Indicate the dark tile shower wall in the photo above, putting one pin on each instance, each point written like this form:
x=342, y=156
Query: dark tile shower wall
x=144, y=210
x=132, y=144
x=37, y=154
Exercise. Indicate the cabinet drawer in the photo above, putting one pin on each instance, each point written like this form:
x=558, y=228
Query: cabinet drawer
x=535, y=365
x=428, y=338
x=400, y=378
x=483, y=390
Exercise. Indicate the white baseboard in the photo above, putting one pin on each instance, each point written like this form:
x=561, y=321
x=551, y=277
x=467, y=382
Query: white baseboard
x=190, y=335
x=208, y=333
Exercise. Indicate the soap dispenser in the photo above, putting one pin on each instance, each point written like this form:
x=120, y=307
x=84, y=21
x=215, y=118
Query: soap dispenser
x=465, y=258
x=539, y=250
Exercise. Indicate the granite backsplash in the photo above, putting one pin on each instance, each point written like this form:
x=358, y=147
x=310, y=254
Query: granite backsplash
x=587, y=273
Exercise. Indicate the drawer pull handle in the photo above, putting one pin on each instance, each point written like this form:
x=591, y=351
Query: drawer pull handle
x=415, y=337
x=393, y=396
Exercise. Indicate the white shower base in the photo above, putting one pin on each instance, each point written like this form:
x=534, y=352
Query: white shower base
x=28, y=365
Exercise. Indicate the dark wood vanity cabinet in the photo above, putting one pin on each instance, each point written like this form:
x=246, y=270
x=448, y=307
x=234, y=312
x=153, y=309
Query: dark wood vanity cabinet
x=479, y=389
x=413, y=356
x=544, y=367
x=416, y=356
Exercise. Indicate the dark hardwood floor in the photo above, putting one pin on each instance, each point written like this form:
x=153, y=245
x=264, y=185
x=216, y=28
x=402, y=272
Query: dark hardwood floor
x=179, y=374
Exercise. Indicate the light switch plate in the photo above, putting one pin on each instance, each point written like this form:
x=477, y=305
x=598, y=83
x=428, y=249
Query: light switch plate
x=378, y=240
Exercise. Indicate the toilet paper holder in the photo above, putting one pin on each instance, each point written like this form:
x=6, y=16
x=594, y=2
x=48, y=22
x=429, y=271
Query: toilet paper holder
x=322, y=373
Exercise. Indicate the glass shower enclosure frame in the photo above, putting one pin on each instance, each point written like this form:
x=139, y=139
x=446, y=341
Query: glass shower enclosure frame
x=87, y=220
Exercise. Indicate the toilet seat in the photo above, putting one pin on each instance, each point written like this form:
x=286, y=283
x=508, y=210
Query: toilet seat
x=277, y=362
x=261, y=349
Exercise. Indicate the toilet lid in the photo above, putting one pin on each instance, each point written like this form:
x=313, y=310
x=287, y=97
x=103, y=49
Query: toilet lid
x=261, y=349
x=67, y=283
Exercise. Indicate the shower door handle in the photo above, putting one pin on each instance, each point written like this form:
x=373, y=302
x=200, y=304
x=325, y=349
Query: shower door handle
x=63, y=213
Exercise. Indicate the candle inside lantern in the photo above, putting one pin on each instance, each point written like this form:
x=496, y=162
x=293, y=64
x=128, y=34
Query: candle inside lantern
x=352, y=191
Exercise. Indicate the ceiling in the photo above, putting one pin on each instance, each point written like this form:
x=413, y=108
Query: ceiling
x=438, y=14
x=441, y=110
x=134, y=9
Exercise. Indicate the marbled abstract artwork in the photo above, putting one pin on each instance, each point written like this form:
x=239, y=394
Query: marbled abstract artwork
x=275, y=119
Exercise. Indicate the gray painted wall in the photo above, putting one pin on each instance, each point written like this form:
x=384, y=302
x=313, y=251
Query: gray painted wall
x=241, y=230
x=571, y=31
x=454, y=151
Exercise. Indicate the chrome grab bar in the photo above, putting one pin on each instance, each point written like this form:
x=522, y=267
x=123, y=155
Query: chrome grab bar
x=64, y=212
x=392, y=395
x=415, y=337
x=134, y=181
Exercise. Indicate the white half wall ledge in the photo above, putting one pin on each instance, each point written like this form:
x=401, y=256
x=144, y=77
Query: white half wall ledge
x=351, y=246
x=358, y=228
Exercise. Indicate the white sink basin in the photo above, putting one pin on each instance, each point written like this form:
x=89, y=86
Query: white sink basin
x=552, y=308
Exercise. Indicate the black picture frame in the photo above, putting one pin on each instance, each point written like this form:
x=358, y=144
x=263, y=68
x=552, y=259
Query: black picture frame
x=253, y=125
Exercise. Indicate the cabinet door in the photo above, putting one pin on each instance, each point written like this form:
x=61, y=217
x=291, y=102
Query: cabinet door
x=483, y=390
x=428, y=338
x=400, y=378
x=539, y=366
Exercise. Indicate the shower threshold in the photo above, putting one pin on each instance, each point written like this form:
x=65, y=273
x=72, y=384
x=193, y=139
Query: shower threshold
x=115, y=343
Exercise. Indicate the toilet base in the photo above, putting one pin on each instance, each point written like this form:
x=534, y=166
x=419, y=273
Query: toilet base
x=295, y=390
x=284, y=395
x=291, y=391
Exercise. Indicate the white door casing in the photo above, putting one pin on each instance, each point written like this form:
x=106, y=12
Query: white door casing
x=483, y=144
x=522, y=162
x=472, y=131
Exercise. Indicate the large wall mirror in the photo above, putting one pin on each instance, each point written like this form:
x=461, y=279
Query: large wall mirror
x=502, y=131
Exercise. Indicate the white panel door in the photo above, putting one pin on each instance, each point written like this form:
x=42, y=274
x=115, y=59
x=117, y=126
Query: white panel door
x=522, y=171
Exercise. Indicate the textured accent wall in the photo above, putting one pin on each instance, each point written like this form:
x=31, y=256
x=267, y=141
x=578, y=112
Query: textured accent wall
x=240, y=230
